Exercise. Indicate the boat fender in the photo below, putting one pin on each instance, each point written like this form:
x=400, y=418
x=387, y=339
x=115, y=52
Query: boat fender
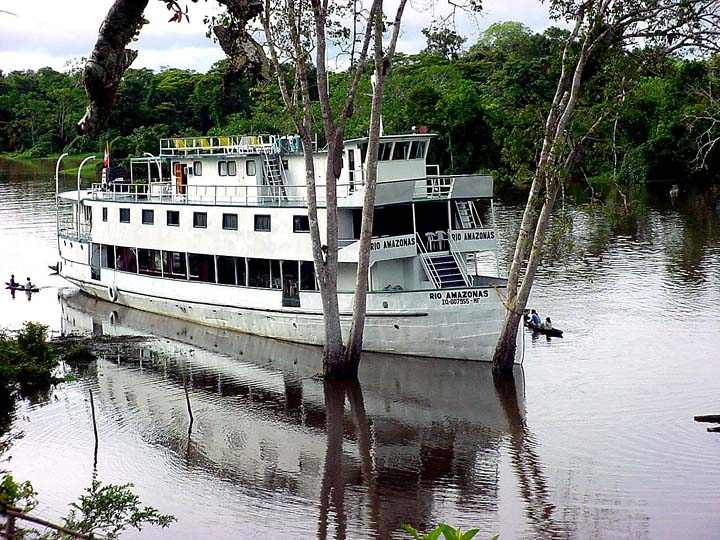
x=112, y=291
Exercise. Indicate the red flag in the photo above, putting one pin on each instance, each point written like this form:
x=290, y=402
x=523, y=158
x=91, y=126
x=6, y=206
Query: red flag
x=106, y=161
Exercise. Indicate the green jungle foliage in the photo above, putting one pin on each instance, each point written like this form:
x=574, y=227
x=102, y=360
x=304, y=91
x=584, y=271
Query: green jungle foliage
x=447, y=532
x=27, y=360
x=486, y=101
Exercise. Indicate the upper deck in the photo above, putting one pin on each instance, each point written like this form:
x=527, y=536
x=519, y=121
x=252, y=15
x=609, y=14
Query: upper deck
x=270, y=170
x=230, y=145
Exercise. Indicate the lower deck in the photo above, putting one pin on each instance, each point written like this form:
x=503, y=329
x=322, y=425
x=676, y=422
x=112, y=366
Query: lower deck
x=462, y=323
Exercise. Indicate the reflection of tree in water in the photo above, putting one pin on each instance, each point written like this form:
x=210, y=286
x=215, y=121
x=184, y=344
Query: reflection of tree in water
x=697, y=210
x=393, y=493
x=527, y=466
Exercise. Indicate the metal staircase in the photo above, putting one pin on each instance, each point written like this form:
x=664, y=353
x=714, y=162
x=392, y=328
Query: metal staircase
x=274, y=173
x=467, y=213
x=445, y=269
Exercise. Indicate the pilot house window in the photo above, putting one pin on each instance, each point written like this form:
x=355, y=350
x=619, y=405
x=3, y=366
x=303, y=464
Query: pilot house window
x=250, y=167
x=227, y=168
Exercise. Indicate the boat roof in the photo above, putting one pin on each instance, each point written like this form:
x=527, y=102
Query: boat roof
x=391, y=138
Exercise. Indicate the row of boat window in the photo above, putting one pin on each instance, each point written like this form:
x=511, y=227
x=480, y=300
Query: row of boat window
x=387, y=151
x=263, y=222
x=226, y=168
x=401, y=150
x=290, y=276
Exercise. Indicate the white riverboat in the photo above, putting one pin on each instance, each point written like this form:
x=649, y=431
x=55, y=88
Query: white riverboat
x=215, y=230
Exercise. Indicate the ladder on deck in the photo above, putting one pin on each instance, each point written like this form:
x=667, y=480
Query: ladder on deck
x=274, y=174
x=446, y=270
x=468, y=215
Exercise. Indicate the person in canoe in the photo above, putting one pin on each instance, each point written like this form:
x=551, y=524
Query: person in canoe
x=12, y=283
x=28, y=285
x=547, y=325
x=534, y=317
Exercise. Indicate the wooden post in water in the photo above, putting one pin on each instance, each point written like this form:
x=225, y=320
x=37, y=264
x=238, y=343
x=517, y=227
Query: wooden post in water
x=187, y=399
x=92, y=409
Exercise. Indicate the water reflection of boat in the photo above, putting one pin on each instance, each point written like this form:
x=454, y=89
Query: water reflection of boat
x=264, y=422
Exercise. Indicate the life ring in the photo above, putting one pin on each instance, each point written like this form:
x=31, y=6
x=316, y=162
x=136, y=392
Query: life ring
x=112, y=292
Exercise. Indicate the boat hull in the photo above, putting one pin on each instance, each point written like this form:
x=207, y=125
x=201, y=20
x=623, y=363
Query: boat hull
x=449, y=323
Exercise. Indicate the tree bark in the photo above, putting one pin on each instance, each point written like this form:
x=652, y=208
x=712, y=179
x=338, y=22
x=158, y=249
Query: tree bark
x=245, y=55
x=353, y=351
x=548, y=175
x=108, y=62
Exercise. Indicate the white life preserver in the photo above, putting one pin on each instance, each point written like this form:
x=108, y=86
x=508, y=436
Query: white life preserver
x=112, y=292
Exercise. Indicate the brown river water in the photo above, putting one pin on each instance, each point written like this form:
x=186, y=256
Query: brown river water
x=596, y=440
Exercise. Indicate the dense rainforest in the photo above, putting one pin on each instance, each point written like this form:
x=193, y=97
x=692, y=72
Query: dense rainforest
x=487, y=103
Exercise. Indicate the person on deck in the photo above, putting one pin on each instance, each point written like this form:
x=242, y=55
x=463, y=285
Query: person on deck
x=534, y=317
x=28, y=284
x=547, y=325
x=12, y=281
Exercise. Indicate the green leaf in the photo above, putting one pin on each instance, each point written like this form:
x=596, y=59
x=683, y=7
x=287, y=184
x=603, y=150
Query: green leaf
x=469, y=534
x=410, y=530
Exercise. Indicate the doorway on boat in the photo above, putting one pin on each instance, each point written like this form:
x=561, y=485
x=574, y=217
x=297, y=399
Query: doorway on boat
x=290, y=284
x=432, y=219
x=181, y=175
x=95, y=261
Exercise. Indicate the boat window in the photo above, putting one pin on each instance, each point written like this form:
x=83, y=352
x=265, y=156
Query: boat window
x=125, y=259
x=230, y=222
x=107, y=256
x=401, y=150
x=363, y=152
x=174, y=265
x=124, y=215
x=307, y=276
x=148, y=217
x=104, y=213
x=301, y=224
x=149, y=262
x=275, y=275
x=201, y=267
x=385, y=151
x=259, y=273
x=222, y=168
x=197, y=168
x=231, y=168
x=420, y=151
x=250, y=167
x=262, y=223
x=173, y=218
x=231, y=270
x=200, y=220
